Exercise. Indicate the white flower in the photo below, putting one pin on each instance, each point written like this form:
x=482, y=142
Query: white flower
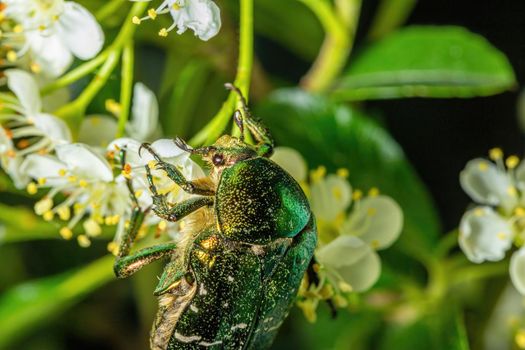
x=52, y=32
x=488, y=231
x=201, y=16
x=26, y=129
x=100, y=130
x=347, y=240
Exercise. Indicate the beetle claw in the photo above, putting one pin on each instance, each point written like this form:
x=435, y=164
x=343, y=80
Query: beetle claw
x=148, y=148
x=182, y=145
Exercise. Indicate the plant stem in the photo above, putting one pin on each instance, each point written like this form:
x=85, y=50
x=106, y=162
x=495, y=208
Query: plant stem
x=126, y=87
x=242, y=80
x=108, y=9
x=339, y=38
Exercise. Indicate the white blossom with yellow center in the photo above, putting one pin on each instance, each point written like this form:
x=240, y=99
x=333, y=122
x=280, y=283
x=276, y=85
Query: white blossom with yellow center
x=25, y=129
x=201, y=16
x=51, y=33
x=351, y=227
x=488, y=231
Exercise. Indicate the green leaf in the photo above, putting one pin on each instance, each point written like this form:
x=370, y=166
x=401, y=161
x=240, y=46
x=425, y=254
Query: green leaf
x=35, y=303
x=337, y=136
x=19, y=223
x=389, y=16
x=427, y=61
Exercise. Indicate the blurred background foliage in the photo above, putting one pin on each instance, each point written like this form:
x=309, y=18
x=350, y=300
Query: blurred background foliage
x=368, y=121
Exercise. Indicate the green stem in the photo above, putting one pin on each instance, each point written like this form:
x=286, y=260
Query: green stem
x=340, y=33
x=126, y=87
x=108, y=9
x=447, y=243
x=243, y=78
x=477, y=272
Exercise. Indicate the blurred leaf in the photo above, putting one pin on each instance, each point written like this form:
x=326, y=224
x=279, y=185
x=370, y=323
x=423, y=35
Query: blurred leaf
x=288, y=23
x=21, y=224
x=445, y=330
x=37, y=302
x=390, y=15
x=427, y=61
x=337, y=136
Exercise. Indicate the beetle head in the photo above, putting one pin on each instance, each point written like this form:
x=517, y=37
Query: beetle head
x=224, y=153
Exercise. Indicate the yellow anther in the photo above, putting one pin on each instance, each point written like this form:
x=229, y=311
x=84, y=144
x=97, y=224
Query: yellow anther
x=343, y=172
x=41, y=27
x=48, y=215
x=55, y=18
x=18, y=29
x=512, y=161
x=152, y=164
x=375, y=243
x=371, y=211
x=82, y=183
x=357, y=195
x=77, y=208
x=519, y=338
x=483, y=166
x=327, y=291
x=32, y=188
x=113, y=248
x=64, y=212
x=495, y=153
x=163, y=32
x=152, y=13
x=512, y=191
x=176, y=6
x=162, y=225
x=138, y=193
x=136, y=20
x=479, y=212
x=66, y=233
x=502, y=235
x=83, y=241
x=11, y=56
x=41, y=181
x=92, y=228
x=72, y=178
x=373, y=192
x=337, y=193
x=519, y=211
x=43, y=205
x=340, y=301
x=35, y=67
x=308, y=308
x=62, y=172
x=318, y=174
x=112, y=220
x=113, y=107
x=345, y=287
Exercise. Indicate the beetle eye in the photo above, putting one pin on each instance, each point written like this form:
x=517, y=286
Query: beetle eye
x=217, y=159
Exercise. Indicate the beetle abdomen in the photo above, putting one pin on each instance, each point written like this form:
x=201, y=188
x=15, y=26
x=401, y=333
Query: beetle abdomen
x=257, y=201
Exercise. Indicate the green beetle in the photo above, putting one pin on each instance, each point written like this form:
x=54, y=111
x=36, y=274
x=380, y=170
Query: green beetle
x=232, y=280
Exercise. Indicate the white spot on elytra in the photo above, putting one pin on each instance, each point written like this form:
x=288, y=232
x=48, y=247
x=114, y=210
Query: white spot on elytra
x=187, y=339
x=202, y=290
x=194, y=308
x=230, y=279
x=239, y=326
x=206, y=344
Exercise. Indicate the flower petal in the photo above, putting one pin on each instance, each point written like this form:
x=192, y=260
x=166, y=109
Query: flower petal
x=166, y=148
x=97, y=130
x=330, y=197
x=202, y=16
x=84, y=162
x=484, y=235
x=352, y=260
x=517, y=270
x=486, y=184
x=291, y=161
x=80, y=31
x=145, y=112
x=55, y=129
x=132, y=150
x=377, y=221
x=50, y=53
x=47, y=167
x=25, y=88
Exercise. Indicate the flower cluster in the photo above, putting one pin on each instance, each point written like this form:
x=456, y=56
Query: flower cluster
x=45, y=35
x=351, y=227
x=201, y=16
x=497, y=223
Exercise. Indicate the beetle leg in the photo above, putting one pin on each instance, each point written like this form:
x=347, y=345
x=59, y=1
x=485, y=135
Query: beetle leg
x=127, y=265
x=177, y=211
x=175, y=175
x=260, y=132
x=313, y=278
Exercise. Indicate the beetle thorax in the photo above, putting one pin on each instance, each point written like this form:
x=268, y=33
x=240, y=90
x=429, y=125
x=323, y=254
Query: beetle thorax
x=226, y=152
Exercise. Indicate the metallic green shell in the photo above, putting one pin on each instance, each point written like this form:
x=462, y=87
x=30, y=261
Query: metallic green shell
x=241, y=292
x=257, y=202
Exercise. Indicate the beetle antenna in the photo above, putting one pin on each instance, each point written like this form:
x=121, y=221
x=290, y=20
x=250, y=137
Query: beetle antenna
x=237, y=118
x=244, y=104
